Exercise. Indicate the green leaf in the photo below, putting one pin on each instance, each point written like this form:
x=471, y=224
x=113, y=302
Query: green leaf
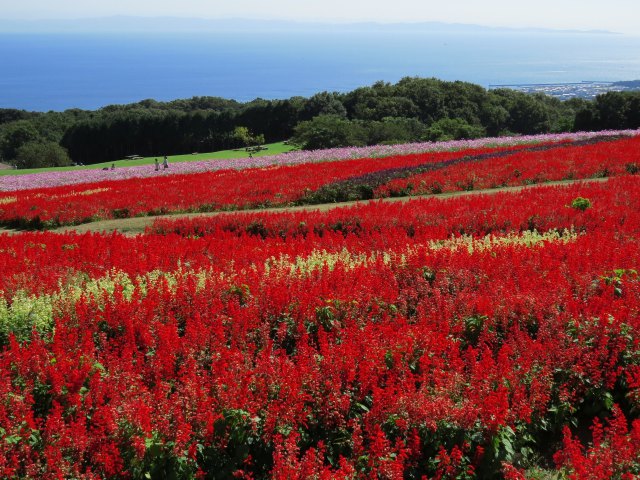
x=608, y=400
x=13, y=439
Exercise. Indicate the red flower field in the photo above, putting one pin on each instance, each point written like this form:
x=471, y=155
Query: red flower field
x=326, y=182
x=482, y=336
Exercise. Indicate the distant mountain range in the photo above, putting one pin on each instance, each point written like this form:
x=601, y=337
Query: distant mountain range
x=127, y=24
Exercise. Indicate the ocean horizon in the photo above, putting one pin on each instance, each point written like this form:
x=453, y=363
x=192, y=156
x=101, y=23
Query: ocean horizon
x=59, y=71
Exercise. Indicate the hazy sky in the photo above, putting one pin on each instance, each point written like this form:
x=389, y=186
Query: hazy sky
x=615, y=15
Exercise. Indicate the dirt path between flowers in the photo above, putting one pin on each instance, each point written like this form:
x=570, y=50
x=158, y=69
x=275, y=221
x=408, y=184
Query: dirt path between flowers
x=137, y=225
x=9, y=231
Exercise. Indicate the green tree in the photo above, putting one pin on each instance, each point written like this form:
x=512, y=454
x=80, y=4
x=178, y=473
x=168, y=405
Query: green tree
x=323, y=103
x=328, y=131
x=427, y=95
x=633, y=111
x=8, y=115
x=585, y=119
x=244, y=138
x=528, y=114
x=393, y=130
x=453, y=129
x=612, y=108
x=494, y=117
x=15, y=135
x=42, y=154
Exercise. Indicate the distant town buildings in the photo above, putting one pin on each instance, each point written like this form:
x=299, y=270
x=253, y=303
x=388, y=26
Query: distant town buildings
x=565, y=91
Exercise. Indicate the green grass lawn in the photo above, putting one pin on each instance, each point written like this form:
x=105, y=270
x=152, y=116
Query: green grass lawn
x=272, y=149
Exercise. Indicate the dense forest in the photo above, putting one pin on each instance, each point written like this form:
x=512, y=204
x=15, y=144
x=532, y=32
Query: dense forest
x=413, y=109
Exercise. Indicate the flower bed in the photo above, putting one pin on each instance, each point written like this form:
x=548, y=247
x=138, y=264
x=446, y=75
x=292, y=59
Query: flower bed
x=467, y=338
x=53, y=179
x=325, y=182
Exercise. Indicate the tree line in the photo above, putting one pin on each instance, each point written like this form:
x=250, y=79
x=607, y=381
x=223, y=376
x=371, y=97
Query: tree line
x=413, y=109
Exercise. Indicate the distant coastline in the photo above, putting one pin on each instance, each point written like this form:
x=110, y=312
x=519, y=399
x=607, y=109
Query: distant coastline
x=587, y=89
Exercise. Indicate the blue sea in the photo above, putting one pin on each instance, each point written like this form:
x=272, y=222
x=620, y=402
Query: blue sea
x=61, y=71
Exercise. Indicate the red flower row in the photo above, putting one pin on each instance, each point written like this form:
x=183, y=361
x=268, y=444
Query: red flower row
x=602, y=159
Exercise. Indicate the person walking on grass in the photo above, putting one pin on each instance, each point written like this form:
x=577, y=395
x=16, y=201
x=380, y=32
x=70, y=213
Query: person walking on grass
x=157, y=165
x=165, y=163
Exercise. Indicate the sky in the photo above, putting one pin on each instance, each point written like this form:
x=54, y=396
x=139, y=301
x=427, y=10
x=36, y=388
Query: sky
x=613, y=15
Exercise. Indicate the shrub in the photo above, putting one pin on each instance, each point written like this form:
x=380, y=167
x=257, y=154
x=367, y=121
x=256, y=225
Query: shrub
x=42, y=154
x=581, y=203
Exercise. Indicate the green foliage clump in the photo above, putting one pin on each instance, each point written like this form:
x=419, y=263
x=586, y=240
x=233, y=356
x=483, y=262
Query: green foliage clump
x=242, y=137
x=632, y=168
x=13, y=136
x=581, y=203
x=24, y=314
x=38, y=154
x=328, y=131
x=453, y=129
